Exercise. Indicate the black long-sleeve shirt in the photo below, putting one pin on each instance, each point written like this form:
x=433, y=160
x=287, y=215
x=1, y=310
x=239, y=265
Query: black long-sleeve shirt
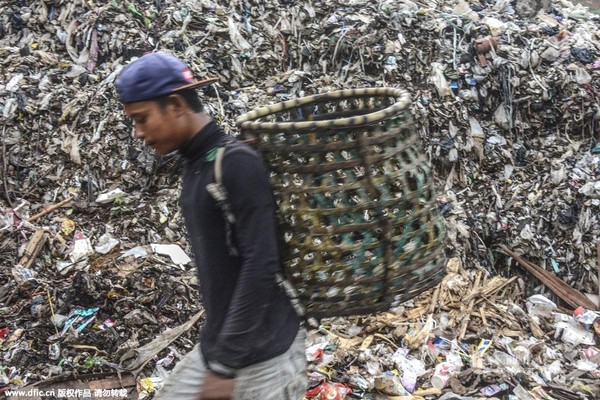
x=248, y=317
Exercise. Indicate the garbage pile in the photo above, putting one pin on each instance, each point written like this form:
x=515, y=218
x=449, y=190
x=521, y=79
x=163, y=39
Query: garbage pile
x=468, y=339
x=92, y=241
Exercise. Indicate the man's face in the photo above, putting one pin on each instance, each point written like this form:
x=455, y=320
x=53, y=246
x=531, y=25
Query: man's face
x=158, y=127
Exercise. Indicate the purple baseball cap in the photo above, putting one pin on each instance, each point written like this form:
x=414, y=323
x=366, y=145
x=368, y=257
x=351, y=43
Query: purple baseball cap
x=155, y=75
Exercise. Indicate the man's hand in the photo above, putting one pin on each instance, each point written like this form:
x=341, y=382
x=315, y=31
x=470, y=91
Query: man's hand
x=216, y=388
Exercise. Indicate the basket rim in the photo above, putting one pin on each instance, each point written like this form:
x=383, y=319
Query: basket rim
x=246, y=121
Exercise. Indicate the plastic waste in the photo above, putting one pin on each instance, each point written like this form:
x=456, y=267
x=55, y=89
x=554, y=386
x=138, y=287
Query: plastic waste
x=147, y=386
x=539, y=306
x=476, y=129
x=3, y=332
x=328, y=391
x=167, y=360
x=412, y=369
x=93, y=361
x=175, y=252
x=463, y=8
x=572, y=332
x=441, y=375
x=502, y=118
x=137, y=252
x=586, y=317
x=314, y=353
x=492, y=390
x=581, y=76
x=549, y=372
x=82, y=247
x=67, y=226
x=439, y=80
x=58, y=320
x=390, y=384
x=54, y=351
x=496, y=26
x=106, y=324
x=586, y=365
x=106, y=243
x=591, y=353
x=522, y=394
x=24, y=277
x=110, y=196
x=78, y=319
x=507, y=362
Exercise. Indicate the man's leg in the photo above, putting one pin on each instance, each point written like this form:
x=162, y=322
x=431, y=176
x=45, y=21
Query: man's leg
x=281, y=378
x=185, y=382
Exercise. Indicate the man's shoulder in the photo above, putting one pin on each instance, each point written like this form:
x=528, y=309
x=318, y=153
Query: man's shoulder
x=241, y=158
x=237, y=146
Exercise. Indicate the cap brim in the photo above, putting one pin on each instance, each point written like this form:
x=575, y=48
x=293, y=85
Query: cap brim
x=197, y=84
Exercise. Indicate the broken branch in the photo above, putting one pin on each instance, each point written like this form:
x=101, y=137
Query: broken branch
x=467, y=317
x=50, y=209
x=569, y=295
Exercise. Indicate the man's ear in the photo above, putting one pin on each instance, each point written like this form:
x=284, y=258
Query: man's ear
x=177, y=104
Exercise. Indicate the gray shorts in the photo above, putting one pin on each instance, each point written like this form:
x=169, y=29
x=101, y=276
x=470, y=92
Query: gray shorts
x=280, y=378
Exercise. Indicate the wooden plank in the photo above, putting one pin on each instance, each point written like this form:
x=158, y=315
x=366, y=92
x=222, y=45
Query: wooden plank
x=33, y=248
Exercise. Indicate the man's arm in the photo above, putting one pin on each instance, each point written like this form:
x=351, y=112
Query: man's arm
x=250, y=196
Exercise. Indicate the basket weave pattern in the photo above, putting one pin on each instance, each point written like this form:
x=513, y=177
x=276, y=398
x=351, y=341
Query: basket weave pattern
x=355, y=197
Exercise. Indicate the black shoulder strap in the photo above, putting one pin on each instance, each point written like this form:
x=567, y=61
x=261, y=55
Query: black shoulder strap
x=218, y=191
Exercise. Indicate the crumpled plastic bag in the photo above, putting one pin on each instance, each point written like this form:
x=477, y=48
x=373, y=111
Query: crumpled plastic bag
x=582, y=76
x=438, y=79
x=501, y=117
x=571, y=332
x=591, y=189
x=236, y=37
x=105, y=244
x=463, y=8
x=539, y=305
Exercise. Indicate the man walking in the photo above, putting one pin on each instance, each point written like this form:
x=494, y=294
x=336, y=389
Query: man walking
x=251, y=346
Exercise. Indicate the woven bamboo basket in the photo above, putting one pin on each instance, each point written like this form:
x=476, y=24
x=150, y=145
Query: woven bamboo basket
x=356, y=199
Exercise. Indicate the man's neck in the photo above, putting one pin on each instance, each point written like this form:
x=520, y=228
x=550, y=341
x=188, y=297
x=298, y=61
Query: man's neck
x=197, y=122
